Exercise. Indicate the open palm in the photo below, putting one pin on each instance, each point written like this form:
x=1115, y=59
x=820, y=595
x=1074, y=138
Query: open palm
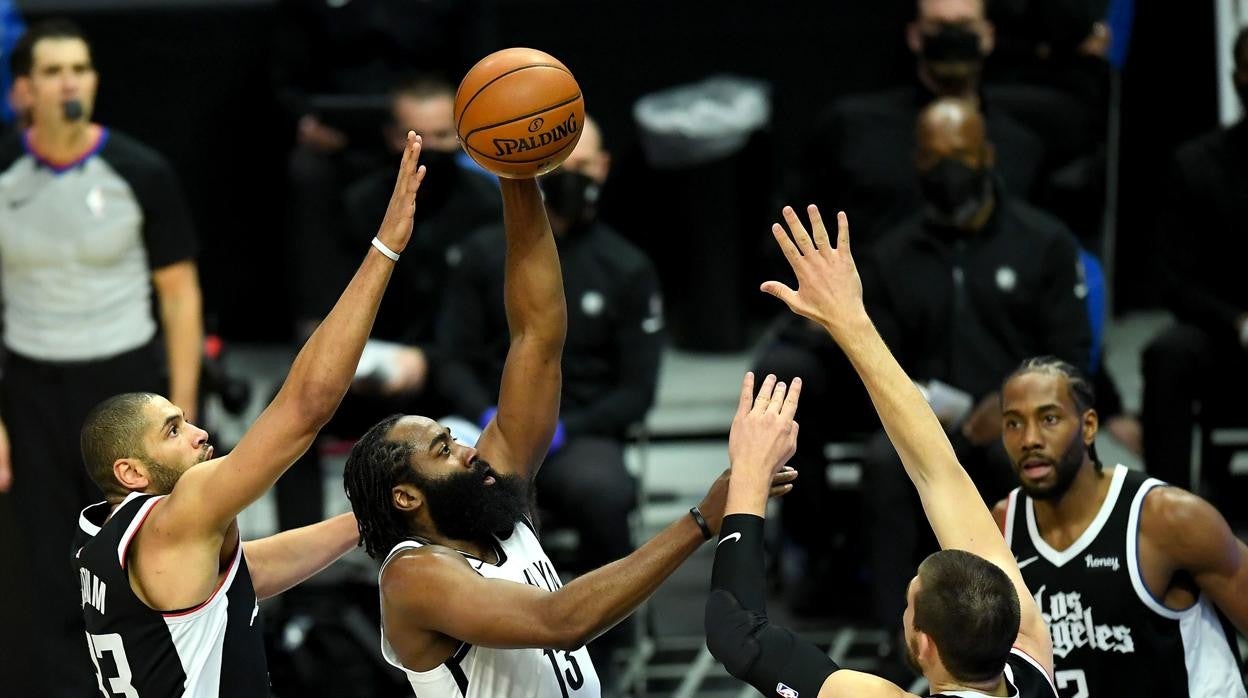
x=829, y=290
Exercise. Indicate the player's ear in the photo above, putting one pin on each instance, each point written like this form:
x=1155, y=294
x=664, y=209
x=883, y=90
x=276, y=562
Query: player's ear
x=131, y=474
x=1091, y=423
x=406, y=497
x=927, y=653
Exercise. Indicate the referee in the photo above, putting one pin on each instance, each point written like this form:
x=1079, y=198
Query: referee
x=91, y=222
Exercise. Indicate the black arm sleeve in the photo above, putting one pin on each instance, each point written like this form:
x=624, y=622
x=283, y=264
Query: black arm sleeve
x=768, y=657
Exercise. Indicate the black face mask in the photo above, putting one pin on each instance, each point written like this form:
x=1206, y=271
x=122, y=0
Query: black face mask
x=952, y=58
x=954, y=192
x=441, y=172
x=571, y=195
x=463, y=507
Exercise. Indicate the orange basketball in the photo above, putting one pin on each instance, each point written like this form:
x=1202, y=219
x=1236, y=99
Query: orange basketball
x=519, y=113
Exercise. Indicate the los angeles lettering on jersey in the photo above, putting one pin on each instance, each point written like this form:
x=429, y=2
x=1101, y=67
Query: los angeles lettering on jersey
x=1072, y=626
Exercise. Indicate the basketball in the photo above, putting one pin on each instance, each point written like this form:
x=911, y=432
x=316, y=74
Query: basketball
x=518, y=113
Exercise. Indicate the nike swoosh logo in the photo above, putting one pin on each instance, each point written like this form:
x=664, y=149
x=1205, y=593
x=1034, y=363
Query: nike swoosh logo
x=1028, y=561
x=730, y=537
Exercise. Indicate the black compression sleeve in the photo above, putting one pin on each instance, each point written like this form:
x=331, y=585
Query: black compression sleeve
x=739, y=561
x=771, y=658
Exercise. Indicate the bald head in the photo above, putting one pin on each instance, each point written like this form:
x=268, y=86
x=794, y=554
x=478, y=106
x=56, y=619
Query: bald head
x=952, y=128
x=953, y=11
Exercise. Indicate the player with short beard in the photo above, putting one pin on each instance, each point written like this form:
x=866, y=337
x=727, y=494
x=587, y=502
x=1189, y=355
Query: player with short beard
x=170, y=592
x=1136, y=579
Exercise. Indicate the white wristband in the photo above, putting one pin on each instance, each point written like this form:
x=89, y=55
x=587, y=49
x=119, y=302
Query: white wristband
x=381, y=247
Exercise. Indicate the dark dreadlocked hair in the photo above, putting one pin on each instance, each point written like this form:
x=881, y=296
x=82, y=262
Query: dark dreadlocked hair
x=375, y=466
x=1081, y=390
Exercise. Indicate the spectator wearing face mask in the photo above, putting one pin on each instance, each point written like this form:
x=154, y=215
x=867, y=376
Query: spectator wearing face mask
x=610, y=356
x=394, y=371
x=860, y=159
x=973, y=282
x=861, y=147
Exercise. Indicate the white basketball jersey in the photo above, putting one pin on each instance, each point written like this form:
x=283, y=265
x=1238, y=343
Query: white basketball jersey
x=486, y=672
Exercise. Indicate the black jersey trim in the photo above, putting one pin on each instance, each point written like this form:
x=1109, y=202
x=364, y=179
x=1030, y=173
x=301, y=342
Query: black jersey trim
x=415, y=543
x=1059, y=558
x=1048, y=675
x=457, y=671
x=140, y=517
x=84, y=523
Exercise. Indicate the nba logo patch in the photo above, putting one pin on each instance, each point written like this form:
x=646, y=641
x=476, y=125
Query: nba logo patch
x=785, y=692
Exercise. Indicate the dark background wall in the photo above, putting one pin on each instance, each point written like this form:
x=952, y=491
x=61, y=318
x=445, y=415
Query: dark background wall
x=191, y=79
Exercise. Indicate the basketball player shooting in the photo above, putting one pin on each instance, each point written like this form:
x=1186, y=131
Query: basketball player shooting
x=169, y=591
x=471, y=606
x=970, y=625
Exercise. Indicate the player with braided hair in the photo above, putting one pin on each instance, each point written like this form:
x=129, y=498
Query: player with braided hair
x=1136, y=579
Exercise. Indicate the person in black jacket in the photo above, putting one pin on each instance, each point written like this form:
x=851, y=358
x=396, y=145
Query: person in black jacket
x=963, y=290
x=860, y=159
x=1206, y=218
x=861, y=147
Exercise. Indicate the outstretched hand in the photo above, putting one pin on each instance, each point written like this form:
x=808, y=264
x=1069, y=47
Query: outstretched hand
x=763, y=438
x=396, y=227
x=829, y=290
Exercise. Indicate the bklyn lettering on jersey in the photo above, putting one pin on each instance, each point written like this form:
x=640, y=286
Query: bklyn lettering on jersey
x=1072, y=627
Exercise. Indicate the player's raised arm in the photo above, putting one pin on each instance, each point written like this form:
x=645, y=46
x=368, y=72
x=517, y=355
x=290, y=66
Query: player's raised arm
x=210, y=495
x=516, y=440
x=830, y=293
